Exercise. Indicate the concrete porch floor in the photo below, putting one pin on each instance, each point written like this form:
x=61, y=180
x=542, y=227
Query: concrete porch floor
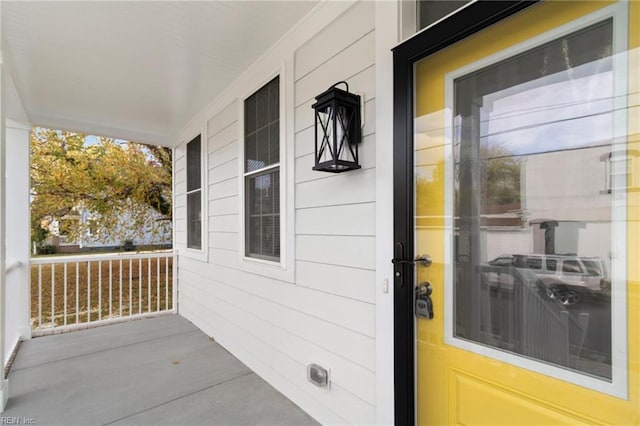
x=152, y=371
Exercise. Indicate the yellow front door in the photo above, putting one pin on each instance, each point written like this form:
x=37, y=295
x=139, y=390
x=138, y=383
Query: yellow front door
x=527, y=180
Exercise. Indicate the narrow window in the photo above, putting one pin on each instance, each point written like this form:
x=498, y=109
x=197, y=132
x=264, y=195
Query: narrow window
x=618, y=167
x=194, y=194
x=262, y=172
x=619, y=171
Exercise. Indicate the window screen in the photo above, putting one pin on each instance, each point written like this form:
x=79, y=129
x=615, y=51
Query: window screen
x=262, y=172
x=194, y=194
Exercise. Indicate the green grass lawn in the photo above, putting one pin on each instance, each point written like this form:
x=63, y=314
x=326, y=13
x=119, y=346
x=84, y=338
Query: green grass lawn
x=138, y=291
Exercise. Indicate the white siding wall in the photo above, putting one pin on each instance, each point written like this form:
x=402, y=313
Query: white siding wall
x=327, y=314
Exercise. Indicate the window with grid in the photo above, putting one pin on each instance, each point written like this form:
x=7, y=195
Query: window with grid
x=262, y=172
x=619, y=171
x=194, y=194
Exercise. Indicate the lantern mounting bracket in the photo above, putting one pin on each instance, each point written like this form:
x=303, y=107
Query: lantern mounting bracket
x=342, y=82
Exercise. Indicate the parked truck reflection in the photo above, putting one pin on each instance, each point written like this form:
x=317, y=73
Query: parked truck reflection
x=567, y=279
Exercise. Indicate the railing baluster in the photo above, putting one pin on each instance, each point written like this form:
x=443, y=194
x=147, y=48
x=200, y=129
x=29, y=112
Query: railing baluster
x=53, y=294
x=139, y=286
x=39, y=295
x=99, y=290
x=130, y=290
x=65, y=293
x=88, y=291
x=77, y=292
x=110, y=291
x=174, y=281
x=55, y=317
x=121, y=288
x=149, y=286
x=158, y=282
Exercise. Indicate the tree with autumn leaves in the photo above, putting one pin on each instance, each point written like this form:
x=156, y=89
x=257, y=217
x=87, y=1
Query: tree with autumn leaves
x=125, y=187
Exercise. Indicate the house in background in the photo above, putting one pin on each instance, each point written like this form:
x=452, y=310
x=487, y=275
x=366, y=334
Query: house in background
x=96, y=239
x=370, y=278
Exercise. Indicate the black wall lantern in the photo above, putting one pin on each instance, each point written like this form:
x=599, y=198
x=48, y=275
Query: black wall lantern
x=338, y=130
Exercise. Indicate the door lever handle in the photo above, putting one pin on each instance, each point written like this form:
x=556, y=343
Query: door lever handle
x=422, y=260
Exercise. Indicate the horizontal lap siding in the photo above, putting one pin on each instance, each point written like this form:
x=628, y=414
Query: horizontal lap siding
x=346, y=66
x=338, y=280
x=337, y=189
x=262, y=356
x=289, y=339
x=224, y=240
x=226, y=205
x=351, y=219
x=335, y=213
x=327, y=315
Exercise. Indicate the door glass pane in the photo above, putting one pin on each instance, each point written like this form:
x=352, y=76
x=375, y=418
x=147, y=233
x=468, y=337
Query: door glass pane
x=532, y=214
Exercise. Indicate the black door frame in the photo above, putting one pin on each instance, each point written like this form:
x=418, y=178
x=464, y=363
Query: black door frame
x=467, y=21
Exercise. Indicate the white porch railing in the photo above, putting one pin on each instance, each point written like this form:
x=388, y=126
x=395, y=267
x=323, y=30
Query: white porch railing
x=73, y=291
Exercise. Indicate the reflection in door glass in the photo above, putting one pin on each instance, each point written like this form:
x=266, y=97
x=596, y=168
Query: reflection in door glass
x=532, y=202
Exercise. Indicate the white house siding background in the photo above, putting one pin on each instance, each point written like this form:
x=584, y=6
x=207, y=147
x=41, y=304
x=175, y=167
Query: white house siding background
x=321, y=307
x=543, y=185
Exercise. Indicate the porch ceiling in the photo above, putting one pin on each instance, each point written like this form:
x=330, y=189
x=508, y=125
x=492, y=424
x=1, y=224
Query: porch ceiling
x=134, y=70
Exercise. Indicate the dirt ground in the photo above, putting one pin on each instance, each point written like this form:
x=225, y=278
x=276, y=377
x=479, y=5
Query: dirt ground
x=143, y=285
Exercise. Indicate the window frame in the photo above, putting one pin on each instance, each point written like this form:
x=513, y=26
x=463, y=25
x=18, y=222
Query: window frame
x=202, y=252
x=284, y=268
x=612, y=162
x=410, y=18
x=262, y=171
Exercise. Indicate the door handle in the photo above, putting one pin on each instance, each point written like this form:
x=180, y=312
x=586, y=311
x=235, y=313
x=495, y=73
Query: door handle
x=422, y=260
x=423, y=302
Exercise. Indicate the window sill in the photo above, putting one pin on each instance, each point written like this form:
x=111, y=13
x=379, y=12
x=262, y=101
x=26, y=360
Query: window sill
x=200, y=255
x=267, y=268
